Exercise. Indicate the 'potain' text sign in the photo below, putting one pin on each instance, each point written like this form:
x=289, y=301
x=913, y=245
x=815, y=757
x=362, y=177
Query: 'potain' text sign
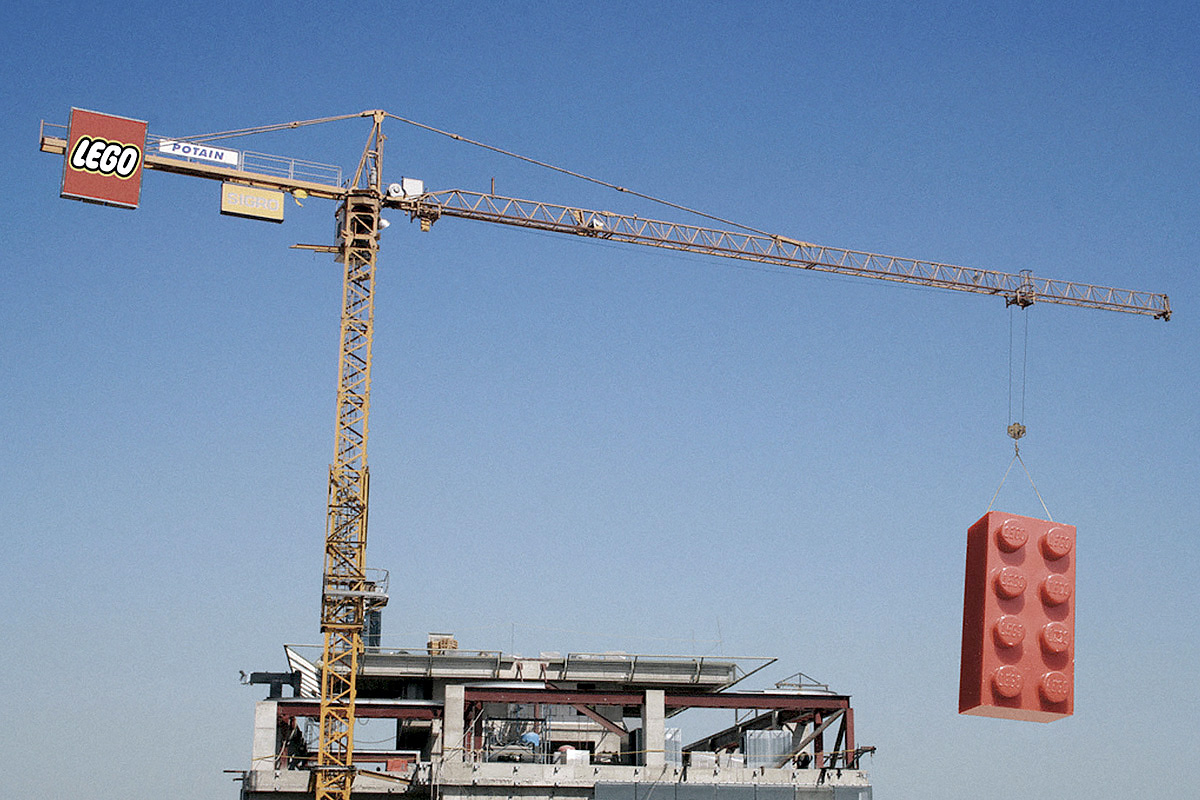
x=229, y=158
x=248, y=201
x=103, y=162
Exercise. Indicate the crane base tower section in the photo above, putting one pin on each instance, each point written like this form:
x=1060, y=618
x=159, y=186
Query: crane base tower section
x=1018, y=643
x=450, y=724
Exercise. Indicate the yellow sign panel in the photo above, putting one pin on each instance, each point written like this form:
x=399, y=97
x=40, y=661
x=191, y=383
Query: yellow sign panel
x=246, y=201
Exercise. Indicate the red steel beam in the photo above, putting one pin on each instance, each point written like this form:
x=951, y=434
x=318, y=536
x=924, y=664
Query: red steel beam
x=312, y=708
x=783, y=701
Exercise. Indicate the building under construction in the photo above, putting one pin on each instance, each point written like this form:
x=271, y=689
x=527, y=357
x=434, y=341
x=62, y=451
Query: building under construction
x=477, y=723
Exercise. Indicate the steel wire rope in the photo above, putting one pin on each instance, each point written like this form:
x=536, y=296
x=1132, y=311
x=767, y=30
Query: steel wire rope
x=1024, y=368
x=1017, y=457
x=1024, y=364
x=1016, y=428
x=574, y=174
x=1010, y=364
x=280, y=126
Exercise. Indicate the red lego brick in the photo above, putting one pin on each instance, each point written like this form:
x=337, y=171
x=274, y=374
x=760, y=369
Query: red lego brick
x=1018, y=645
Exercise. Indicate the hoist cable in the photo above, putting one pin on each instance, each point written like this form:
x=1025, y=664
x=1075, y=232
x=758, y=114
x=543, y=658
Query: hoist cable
x=1024, y=364
x=1010, y=365
x=1016, y=428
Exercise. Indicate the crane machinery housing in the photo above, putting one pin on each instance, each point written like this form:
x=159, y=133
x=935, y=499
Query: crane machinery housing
x=551, y=726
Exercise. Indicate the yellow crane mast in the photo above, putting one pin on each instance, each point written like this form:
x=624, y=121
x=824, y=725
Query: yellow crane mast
x=347, y=592
x=345, y=589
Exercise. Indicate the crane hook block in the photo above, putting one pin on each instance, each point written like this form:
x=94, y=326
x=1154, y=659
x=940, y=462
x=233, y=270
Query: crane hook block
x=1016, y=430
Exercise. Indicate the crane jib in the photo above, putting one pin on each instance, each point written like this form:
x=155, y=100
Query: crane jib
x=1022, y=289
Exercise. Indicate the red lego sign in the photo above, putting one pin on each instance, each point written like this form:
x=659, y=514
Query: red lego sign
x=103, y=162
x=1018, y=645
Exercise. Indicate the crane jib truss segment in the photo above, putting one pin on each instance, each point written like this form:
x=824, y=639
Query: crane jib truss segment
x=1017, y=288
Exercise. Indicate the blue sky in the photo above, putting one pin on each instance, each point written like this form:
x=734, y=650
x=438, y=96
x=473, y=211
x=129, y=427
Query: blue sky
x=579, y=446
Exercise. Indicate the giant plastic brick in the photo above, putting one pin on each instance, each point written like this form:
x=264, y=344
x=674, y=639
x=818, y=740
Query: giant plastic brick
x=1018, y=644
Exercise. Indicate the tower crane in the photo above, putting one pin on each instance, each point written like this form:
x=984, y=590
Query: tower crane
x=348, y=593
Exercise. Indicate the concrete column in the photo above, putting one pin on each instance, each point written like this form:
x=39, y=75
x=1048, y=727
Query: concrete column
x=453, y=714
x=266, y=735
x=654, y=728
